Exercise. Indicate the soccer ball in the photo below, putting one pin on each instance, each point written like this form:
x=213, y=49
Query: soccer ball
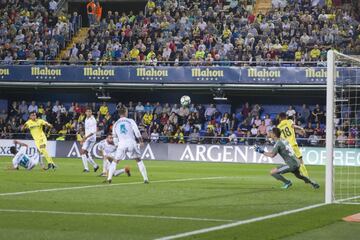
x=185, y=100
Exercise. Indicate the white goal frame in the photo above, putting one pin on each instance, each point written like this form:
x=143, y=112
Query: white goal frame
x=329, y=169
x=330, y=124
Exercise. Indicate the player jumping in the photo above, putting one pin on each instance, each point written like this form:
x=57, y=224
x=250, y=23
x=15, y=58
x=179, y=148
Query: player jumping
x=107, y=150
x=21, y=158
x=288, y=128
x=35, y=125
x=283, y=148
x=89, y=141
x=125, y=133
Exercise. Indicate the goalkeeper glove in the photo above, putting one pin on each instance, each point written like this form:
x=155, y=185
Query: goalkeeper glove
x=258, y=149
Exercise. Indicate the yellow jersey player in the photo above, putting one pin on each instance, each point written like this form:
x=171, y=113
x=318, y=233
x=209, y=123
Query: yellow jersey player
x=35, y=126
x=288, y=128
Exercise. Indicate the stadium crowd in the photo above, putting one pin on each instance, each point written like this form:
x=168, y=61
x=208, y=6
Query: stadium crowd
x=205, y=32
x=175, y=124
x=31, y=32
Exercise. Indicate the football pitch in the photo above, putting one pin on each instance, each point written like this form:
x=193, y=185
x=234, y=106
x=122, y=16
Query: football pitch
x=185, y=199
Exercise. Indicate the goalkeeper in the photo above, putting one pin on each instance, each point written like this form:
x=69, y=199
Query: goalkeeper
x=283, y=148
x=35, y=126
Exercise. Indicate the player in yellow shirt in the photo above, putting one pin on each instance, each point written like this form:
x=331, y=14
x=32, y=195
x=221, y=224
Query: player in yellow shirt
x=35, y=125
x=288, y=128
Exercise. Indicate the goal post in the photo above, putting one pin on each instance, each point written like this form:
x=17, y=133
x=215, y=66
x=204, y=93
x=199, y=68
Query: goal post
x=342, y=171
x=331, y=77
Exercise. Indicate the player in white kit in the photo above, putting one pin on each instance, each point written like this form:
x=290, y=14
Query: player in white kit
x=125, y=133
x=89, y=141
x=107, y=150
x=21, y=159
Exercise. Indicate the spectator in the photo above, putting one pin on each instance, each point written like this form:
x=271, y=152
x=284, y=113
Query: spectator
x=291, y=113
x=33, y=107
x=103, y=110
x=154, y=136
x=179, y=136
x=257, y=121
x=56, y=107
x=147, y=119
x=254, y=133
x=262, y=129
x=139, y=110
x=173, y=119
x=175, y=109
x=225, y=122
x=166, y=109
x=314, y=139
x=341, y=140
x=304, y=114
x=209, y=136
x=194, y=137
x=317, y=114
x=246, y=110
x=91, y=10
x=98, y=12
x=23, y=108
x=158, y=109
x=232, y=138
x=210, y=111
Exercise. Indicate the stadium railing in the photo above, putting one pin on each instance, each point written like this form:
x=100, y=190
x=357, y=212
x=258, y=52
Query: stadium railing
x=169, y=63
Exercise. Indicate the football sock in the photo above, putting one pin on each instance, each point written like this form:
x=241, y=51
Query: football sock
x=304, y=178
x=118, y=172
x=303, y=170
x=91, y=161
x=41, y=161
x=105, y=166
x=112, y=168
x=142, y=170
x=44, y=152
x=280, y=177
x=85, y=162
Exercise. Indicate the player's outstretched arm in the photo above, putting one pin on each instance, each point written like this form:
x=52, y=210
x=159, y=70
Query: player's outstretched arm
x=300, y=129
x=25, y=126
x=262, y=151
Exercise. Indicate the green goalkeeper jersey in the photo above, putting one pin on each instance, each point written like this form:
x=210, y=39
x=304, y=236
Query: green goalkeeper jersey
x=283, y=148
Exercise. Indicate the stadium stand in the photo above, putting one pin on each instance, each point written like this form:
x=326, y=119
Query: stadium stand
x=33, y=32
x=170, y=122
x=202, y=32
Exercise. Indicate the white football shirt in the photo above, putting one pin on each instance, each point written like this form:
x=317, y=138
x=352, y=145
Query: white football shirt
x=106, y=147
x=125, y=130
x=21, y=158
x=90, y=127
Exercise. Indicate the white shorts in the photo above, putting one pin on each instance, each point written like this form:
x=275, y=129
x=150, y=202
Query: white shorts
x=112, y=155
x=131, y=149
x=88, y=145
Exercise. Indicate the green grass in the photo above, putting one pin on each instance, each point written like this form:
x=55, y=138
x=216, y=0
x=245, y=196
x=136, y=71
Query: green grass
x=245, y=191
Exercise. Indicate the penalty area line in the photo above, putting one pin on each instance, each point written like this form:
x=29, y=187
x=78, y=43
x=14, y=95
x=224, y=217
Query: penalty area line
x=113, y=185
x=114, y=215
x=241, y=222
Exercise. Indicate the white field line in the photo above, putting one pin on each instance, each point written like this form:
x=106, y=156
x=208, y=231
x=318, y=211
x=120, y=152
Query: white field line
x=344, y=200
x=241, y=222
x=114, y=215
x=110, y=185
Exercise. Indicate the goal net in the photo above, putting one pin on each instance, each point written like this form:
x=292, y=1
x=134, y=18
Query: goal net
x=343, y=129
